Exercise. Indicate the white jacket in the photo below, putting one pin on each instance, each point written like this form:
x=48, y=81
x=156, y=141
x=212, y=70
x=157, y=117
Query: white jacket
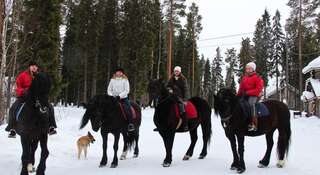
x=119, y=86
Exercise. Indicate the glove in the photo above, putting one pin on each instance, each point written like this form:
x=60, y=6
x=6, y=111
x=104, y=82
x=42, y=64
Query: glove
x=25, y=93
x=244, y=94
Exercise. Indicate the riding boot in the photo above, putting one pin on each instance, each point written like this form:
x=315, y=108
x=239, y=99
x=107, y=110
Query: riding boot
x=253, y=126
x=184, y=122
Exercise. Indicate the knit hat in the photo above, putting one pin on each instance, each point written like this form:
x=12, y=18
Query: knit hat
x=32, y=63
x=252, y=65
x=177, y=68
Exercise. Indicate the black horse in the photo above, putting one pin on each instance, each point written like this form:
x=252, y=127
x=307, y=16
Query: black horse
x=105, y=112
x=33, y=124
x=228, y=106
x=168, y=124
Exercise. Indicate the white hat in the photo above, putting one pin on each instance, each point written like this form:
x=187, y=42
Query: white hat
x=177, y=68
x=252, y=65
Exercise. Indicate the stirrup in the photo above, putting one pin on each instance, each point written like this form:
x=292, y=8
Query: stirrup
x=131, y=127
x=52, y=131
x=12, y=134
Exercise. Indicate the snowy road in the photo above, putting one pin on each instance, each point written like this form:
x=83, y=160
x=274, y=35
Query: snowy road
x=303, y=155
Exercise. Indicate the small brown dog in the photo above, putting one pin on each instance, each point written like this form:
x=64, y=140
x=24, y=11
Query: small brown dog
x=83, y=144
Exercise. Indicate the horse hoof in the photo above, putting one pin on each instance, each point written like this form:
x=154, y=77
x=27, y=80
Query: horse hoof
x=123, y=158
x=101, y=166
x=31, y=168
x=262, y=166
x=186, y=157
x=166, y=164
x=201, y=157
x=233, y=168
x=113, y=166
x=280, y=163
x=135, y=155
x=240, y=170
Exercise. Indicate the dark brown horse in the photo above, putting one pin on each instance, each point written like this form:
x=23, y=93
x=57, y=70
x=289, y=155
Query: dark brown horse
x=105, y=113
x=227, y=105
x=168, y=124
x=33, y=124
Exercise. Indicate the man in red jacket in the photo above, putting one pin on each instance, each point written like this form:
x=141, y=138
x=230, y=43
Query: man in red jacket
x=23, y=83
x=251, y=87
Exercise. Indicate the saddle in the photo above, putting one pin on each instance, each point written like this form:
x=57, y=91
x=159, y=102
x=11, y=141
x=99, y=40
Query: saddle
x=191, y=111
x=262, y=110
x=124, y=113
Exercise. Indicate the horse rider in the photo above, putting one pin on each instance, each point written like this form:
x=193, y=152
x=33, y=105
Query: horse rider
x=119, y=88
x=179, y=81
x=251, y=86
x=23, y=83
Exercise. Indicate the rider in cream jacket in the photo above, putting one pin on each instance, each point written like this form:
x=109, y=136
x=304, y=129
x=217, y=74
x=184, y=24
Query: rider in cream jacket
x=119, y=86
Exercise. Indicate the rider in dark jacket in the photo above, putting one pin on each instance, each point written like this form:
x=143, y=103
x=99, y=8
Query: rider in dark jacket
x=180, y=82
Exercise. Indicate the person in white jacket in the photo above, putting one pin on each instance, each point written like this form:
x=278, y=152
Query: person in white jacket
x=119, y=88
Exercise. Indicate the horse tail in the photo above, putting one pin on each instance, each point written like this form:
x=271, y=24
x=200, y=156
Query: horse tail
x=133, y=135
x=284, y=138
x=84, y=120
x=131, y=139
x=204, y=112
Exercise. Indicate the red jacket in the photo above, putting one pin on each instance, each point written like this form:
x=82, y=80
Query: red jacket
x=251, y=84
x=23, y=83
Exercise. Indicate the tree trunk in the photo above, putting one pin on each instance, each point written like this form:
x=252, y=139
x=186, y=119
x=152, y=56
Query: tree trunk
x=3, y=59
x=85, y=77
x=170, y=40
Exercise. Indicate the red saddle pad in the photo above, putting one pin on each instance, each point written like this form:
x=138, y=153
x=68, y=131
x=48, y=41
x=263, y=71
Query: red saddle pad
x=191, y=110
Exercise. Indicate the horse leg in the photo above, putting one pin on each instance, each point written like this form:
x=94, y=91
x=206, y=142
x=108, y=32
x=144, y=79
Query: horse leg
x=136, y=148
x=233, y=143
x=44, y=154
x=168, y=138
x=242, y=166
x=114, y=162
x=266, y=159
x=104, y=159
x=33, y=148
x=25, y=143
x=125, y=147
x=283, y=144
x=194, y=138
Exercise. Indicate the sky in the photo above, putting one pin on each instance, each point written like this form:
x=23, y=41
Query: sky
x=231, y=17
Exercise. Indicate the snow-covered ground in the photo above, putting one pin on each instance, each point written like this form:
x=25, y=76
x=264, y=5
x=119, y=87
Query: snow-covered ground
x=303, y=156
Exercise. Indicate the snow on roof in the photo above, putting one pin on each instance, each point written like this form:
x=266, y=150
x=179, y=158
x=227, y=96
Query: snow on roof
x=315, y=83
x=313, y=65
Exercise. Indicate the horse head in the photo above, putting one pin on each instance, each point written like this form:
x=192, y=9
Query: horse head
x=97, y=110
x=224, y=103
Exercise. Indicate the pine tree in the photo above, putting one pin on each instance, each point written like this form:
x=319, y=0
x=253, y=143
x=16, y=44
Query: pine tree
x=193, y=28
x=174, y=8
x=207, y=79
x=231, y=59
x=294, y=31
x=278, y=44
x=245, y=56
x=217, y=78
x=42, y=41
x=263, y=46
